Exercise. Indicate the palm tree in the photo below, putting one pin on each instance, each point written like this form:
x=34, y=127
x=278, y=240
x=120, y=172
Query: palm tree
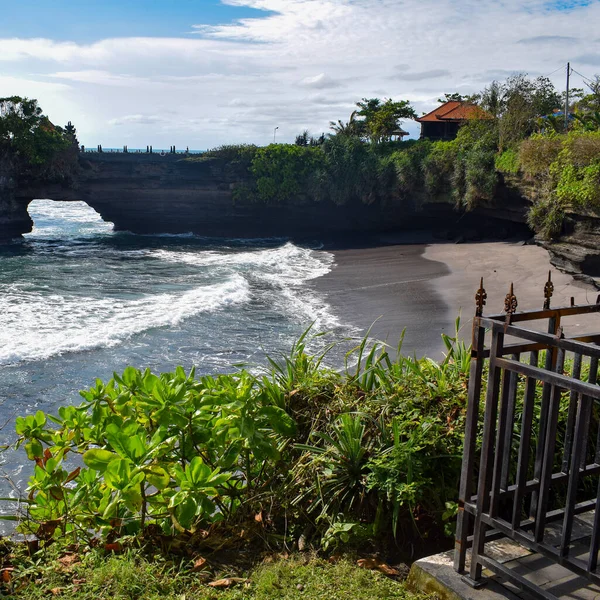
x=350, y=129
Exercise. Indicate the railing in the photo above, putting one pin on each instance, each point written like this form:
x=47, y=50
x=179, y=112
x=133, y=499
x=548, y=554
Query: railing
x=157, y=151
x=538, y=460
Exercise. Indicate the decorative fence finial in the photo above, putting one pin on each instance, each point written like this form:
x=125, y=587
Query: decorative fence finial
x=510, y=302
x=480, y=299
x=548, y=291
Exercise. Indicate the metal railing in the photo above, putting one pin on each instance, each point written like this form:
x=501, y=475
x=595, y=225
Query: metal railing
x=153, y=151
x=532, y=441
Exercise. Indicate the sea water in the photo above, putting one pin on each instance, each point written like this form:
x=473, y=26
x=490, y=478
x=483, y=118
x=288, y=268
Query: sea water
x=79, y=301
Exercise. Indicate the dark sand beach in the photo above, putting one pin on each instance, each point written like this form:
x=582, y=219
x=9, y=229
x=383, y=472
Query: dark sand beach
x=423, y=287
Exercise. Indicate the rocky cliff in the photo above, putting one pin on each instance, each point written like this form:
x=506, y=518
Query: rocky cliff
x=150, y=193
x=577, y=250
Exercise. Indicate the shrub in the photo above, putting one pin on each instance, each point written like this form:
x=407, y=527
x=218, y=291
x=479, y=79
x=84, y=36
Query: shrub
x=537, y=153
x=507, y=162
x=300, y=445
x=283, y=171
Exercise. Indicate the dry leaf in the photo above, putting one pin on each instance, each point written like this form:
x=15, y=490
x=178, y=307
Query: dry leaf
x=68, y=560
x=6, y=574
x=199, y=564
x=377, y=565
x=56, y=591
x=227, y=582
x=116, y=547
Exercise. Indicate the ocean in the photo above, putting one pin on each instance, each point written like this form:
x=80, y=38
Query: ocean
x=79, y=301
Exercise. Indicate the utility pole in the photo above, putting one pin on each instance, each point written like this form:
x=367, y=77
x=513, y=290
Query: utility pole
x=275, y=133
x=567, y=97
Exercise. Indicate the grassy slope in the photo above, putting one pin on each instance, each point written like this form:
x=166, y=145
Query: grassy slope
x=130, y=576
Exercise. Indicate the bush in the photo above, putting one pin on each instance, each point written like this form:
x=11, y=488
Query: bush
x=283, y=171
x=537, y=153
x=299, y=446
x=507, y=162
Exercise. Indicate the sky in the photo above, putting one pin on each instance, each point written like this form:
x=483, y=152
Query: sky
x=201, y=73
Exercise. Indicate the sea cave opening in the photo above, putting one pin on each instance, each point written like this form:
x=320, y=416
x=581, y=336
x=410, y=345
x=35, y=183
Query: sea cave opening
x=65, y=219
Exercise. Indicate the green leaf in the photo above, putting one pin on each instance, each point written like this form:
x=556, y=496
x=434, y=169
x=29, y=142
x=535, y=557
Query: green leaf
x=186, y=512
x=34, y=449
x=40, y=418
x=279, y=420
x=99, y=459
x=231, y=455
x=158, y=477
x=118, y=474
x=197, y=472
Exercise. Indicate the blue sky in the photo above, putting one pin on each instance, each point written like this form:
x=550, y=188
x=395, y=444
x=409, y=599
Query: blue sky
x=201, y=73
x=92, y=20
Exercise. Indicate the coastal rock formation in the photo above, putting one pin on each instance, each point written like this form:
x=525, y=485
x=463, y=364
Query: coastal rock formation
x=153, y=193
x=14, y=218
x=577, y=251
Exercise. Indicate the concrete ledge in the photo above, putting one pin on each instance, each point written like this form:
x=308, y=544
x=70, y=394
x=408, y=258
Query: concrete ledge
x=436, y=575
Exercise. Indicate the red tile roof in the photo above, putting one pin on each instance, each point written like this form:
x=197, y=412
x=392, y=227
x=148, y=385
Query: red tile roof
x=454, y=112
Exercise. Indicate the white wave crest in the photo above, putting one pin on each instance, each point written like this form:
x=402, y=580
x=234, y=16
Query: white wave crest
x=36, y=327
x=285, y=271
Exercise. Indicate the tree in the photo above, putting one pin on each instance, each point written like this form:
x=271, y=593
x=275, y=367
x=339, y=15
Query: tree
x=382, y=119
x=352, y=128
x=521, y=103
x=590, y=103
x=491, y=99
x=456, y=97
x=302, y=139
x=27, y=133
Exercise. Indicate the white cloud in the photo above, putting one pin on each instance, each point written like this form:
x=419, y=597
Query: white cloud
x=301, y=65
x=320, y=82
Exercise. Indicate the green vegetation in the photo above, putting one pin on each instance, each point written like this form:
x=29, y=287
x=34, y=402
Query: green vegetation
x=300, y=451
x=32, y=144
x=133, y=575
x=521, y=143
x=162, y=470
x=181, y=481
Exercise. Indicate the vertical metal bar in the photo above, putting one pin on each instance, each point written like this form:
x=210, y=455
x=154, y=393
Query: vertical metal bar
x=468, y=464
x=553, y=324
x=578, y=451
x=548, y=454
x=510, y=420
x=588, y=415
x=595, y=541
x=524, y=451
x=571, y=417
x=577, y=461
x=485, y=463
x=501, y=450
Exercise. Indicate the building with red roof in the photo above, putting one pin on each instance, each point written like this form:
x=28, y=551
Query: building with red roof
x=443, y=122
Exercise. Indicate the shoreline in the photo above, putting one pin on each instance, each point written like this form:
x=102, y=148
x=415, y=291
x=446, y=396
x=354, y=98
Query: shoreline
x=424, y=286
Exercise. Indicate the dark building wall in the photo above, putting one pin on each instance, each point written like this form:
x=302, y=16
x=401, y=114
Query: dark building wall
x=439, y=130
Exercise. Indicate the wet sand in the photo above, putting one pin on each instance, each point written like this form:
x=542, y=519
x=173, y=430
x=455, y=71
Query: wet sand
x=423, y=288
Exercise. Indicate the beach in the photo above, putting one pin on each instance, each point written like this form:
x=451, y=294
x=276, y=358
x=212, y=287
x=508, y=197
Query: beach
x=423, y=288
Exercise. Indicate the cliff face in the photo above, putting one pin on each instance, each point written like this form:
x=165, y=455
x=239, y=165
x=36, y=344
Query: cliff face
x=577, y=251
x=14, y=218
x=149, y=193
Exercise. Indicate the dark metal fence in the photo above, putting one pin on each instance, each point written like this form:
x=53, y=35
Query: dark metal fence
x=532, y=441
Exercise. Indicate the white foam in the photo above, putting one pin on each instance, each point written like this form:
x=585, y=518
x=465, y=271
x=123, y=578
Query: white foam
x=39, y=320
x=285, y=271
x=36, y=327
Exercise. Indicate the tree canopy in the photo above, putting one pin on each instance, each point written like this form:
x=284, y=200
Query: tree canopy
x=382, y=119
x=28, y=134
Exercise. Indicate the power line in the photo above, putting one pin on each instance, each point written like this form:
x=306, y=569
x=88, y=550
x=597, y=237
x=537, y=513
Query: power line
x=556, y=71
x=581, y=75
